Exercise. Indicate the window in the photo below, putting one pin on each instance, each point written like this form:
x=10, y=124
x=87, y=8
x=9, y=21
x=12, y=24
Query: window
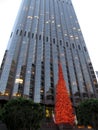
x=17, y=31
x=73, y=45
x=43, y=38
x=28, y=34
x=85, y=49
x=53, y=40
x=32, y=35
x=20, y=32
x=60, y=42
x=36, y=36
x=79, y=47
x=67, y=44
x=46, y=39
x=39, y=37
x=25, y=33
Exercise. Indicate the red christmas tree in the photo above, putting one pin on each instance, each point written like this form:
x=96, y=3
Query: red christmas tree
x=63, y=106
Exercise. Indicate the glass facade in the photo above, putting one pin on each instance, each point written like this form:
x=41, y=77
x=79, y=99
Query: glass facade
x=46, y=32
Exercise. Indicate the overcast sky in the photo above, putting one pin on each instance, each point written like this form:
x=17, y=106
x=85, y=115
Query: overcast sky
x=86, y=11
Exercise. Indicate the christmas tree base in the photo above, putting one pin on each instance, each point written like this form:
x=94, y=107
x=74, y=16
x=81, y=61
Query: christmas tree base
x=65, y=127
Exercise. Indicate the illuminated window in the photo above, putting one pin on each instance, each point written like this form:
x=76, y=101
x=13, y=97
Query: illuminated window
x=17, y=94
x=59, y=25
x=65, y=34
x=53, y=21
x=79, y=29
x=47, y=21
x=74, y=28
x=71, y=36
x=42, y=91
x=36, y=17
x=30, y=17
x=19, y=81
x=76, y=38
x=81, y=127
x=89, y=127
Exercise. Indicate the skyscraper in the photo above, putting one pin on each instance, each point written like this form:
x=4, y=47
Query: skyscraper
x=45, y=33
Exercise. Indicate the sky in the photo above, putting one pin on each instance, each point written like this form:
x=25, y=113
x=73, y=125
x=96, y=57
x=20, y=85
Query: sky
x=86, y=11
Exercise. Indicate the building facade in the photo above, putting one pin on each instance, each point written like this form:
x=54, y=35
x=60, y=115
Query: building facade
x=96, y=73
x=45, y=33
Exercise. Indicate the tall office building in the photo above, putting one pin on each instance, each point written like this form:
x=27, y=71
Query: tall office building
x=46, y=32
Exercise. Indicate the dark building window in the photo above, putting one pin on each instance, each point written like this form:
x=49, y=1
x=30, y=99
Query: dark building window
x=32, y=35
x=39, y=37
x=43, y=38
x=36, y=36
x=85, y=49
x=79, y=47
x=73, y=45
x=28, y=34
x=53, y=40
x=20, y=32
x=25, y=33
x=60, y=42
x=64, y=47
x=17, y=32
x=46, y=39
x=67, y=44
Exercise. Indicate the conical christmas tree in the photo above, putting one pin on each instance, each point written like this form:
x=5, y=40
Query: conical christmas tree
x=63, y=106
